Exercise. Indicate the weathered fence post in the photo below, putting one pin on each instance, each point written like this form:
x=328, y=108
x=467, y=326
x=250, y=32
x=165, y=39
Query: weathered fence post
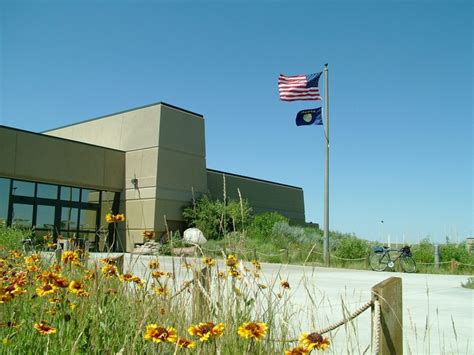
x=436, y=256
x=119, y=260
x=201, y=285
x=389, y=295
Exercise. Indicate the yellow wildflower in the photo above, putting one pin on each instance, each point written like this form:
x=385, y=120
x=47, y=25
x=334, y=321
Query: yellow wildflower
x=231, y=261
x=208, y=261
x=44, y=329
x=314, y=341
x=46, y=289
x=299, y=350
x=253, y=330
x=154, y=264
x=185, y=343
x=77, y=288
x=159, y=334
x=206, y=330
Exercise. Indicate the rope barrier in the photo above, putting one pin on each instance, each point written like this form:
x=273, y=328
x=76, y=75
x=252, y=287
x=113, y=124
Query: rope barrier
x=212, y=250
x=337, y=257
x=351, y=316
x=281, y=252
x=377, y=326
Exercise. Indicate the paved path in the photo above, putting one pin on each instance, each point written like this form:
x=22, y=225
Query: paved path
x=438, y=313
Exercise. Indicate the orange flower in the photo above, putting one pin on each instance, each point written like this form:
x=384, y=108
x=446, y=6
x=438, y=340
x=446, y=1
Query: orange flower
x=59, y=281
x=109, y=270
x=206, y=330
x=70, y=257
x=299, y=350
x=108, y=261
x=157, y=274
x=44, y=329
x=126, y=277
x=185, y=343
x=159, y=334
x=314, y=341
x=149, y=235
x=253, y=330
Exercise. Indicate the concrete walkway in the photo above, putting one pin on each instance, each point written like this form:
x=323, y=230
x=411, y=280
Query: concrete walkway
x=438, y=313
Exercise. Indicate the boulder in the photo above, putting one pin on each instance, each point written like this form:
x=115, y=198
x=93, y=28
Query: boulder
x=194, y=236
x=149, y=248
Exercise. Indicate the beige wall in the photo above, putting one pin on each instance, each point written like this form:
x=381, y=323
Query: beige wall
x=30, y=156
x=165, y=152
x=263, y=196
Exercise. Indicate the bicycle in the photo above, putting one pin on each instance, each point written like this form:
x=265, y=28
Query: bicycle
x=381, y=259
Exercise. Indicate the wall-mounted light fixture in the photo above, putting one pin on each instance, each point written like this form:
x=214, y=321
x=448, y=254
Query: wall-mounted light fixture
x=134, y=182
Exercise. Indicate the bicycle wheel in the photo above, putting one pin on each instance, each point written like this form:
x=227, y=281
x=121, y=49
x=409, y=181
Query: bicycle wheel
x=407, y=263
x=379, y=261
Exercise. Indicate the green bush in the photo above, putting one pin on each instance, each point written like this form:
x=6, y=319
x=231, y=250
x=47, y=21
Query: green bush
x=423, y=252
x=215, y=218
x=262, y=225
x=458, y=252
x=351, y=247
x=11, y=238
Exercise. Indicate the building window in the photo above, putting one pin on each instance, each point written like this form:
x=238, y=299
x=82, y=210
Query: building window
x=47, y=191
x=4, y=200
x=23, y=188
x=70, y=194
x=72, y=212
x=22, y=215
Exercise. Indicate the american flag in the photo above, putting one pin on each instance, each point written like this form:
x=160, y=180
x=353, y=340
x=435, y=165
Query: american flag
x=299, y=87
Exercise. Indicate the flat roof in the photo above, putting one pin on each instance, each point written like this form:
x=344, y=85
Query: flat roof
x=254, y=179
x=125, y=111
x=59, y=138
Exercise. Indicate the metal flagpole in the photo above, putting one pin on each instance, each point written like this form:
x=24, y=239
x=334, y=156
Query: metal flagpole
x=326, y=170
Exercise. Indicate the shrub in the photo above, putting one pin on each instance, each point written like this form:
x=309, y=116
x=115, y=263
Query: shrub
x=214, y=217
x=262, y=225
x=423, y=252
x=458, y=252
x=11, y=238
x=351, y=247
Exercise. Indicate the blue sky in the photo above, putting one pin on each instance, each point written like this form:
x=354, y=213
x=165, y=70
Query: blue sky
x=401, y=96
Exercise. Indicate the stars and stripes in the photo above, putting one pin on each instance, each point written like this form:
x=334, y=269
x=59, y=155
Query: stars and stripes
x=299, y=87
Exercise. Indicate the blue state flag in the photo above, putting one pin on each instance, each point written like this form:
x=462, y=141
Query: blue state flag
x=309, y=117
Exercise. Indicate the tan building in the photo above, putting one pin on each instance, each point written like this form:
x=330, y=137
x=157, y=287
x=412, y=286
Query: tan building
x=146, y=162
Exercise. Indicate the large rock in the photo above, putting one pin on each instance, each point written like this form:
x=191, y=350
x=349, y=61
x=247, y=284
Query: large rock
x=149, y=248
x=194, y=236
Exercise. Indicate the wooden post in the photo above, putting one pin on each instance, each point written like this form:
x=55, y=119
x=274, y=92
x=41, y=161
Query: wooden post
x=389, y=294
x=58, y=253
x=436, y=256
x=200, y=304
x=119, y=263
